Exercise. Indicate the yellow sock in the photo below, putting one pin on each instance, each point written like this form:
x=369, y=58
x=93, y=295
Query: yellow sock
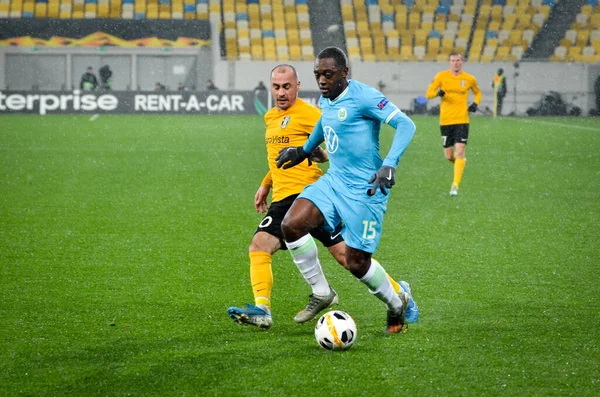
x=394, y=283
x=459, y=168
x=261, y=277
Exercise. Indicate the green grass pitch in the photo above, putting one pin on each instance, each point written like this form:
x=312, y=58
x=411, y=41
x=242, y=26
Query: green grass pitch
x=123, y=241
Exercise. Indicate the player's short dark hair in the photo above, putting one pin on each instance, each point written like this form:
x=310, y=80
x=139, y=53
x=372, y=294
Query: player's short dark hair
x=454, y=53
x=285, y=65
x=341, y=60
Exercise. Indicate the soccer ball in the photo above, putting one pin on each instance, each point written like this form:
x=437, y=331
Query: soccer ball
x=335, y=330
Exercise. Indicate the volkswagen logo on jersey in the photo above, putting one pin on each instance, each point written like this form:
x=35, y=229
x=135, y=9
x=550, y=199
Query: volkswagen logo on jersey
x=285, y=122
x=462, y=83
x=331, y=139
x=342, y=114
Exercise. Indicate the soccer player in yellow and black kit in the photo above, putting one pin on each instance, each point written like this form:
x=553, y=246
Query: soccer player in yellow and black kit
x=453, y=86
x=289, y=123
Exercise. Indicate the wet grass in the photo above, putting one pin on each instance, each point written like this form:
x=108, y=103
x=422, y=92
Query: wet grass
x=123, y=241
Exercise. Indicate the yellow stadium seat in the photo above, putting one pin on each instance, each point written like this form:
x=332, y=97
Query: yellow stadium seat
x=566, y=43
x=41, y=9
x=257, y=53
x=28, y=7
x=293, y=37
x=291, y=19
x=420, y=37
x=428, y=26
x=583, y=37
x=400, y=18
x=502, y=53
x=270, y=54
x=414, y=21
x=267, y=24
x=369, y=57
x=574, y=54
x=279, y=24
x=366, y=45
x=406, y=53
x=440, y=26
x=53, y=10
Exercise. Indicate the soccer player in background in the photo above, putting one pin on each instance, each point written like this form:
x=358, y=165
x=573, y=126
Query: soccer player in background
x=355, y=189
x=453, y=86
x=290, y=122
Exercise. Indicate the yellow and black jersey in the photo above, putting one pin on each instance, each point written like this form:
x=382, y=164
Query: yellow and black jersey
x=454, y=108
x=290, y=127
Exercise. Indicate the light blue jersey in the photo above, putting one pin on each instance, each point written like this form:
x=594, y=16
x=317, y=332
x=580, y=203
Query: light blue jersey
x=350, y=126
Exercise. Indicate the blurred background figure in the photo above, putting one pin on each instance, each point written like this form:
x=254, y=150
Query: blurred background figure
x=210, y=85
x=260, y=87
x=89, y=82
x=159, y=87
x=597, y=91
x=499, y=86
x=105, y=77
x=181, y=87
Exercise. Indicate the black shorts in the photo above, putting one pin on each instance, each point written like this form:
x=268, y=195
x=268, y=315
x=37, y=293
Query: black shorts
x=271, y=224
x=455, y=133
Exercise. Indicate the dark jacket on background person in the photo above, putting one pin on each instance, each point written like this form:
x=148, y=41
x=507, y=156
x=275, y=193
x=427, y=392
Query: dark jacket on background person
x=89, y=81
x=105, y=75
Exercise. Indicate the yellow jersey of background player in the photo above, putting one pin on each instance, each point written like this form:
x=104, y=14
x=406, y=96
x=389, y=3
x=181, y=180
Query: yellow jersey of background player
x=453, y=86
x=290, y=127
x=453, y=107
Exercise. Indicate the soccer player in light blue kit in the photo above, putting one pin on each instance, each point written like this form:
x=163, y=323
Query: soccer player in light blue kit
x=354, y=191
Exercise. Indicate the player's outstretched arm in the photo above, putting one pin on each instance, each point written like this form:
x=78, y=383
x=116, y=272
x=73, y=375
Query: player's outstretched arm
x=405, y=130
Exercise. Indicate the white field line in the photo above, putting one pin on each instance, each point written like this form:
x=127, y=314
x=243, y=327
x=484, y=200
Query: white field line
x=570, y=126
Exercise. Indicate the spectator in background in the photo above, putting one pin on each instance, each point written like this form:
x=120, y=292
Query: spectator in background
x=89, y=82
x=499, y=86
x=105, y=77
x=260, y=87
x=210, y=85
x=597, y=91
x=181, y=87
x=159, y=86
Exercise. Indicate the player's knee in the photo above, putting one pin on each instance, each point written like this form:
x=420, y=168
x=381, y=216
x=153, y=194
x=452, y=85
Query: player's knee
x=450, y=158
x=290, y=228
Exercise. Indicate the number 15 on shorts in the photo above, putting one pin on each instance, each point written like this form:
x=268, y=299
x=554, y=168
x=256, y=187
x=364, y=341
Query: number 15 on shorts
x=369, y=232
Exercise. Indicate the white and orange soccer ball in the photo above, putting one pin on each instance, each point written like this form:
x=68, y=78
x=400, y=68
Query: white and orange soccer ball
x=335, y=330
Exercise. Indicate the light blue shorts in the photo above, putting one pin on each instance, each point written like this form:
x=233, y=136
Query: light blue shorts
x=362, y=219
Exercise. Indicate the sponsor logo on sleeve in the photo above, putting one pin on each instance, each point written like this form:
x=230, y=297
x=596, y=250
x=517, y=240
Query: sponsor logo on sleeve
x=382, y=104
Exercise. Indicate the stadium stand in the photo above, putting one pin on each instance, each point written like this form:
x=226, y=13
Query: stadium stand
x=385, y=30
x=272, y=30
x=581, y=43
x=413, y=30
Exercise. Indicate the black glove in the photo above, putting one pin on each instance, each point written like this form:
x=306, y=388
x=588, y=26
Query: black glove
x=291, y=156
x=441, y=93
x=473, y=107
x=383, y=178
